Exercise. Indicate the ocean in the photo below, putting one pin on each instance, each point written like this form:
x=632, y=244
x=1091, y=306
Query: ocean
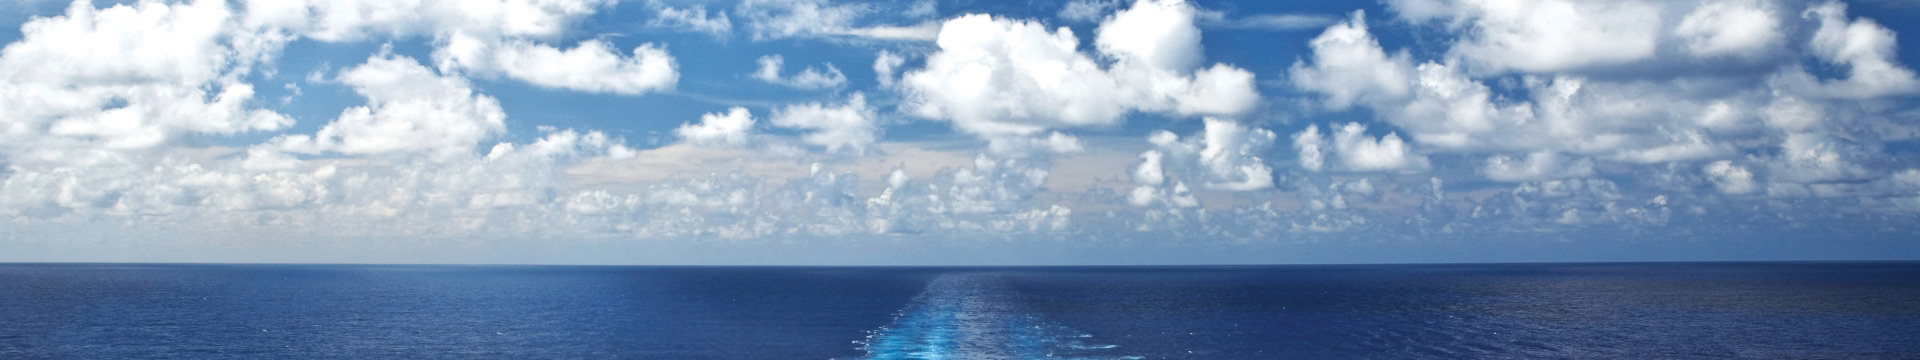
x=1841, y=310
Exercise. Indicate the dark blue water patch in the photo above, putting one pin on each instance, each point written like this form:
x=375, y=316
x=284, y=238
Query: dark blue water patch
x=1706, y=310
x=1712, y=310
x=273, y=311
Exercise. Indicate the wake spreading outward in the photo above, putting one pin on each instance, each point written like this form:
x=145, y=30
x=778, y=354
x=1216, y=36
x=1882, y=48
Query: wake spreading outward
x=970, y=316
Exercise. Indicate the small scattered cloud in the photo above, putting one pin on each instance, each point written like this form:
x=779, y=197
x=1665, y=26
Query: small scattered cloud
x=1088, y=11
x=693, y=18
x=734, y=128
x=850, y=125
x=808, y=78
x=1272, y=22
x=780, y=19
x=591, y=66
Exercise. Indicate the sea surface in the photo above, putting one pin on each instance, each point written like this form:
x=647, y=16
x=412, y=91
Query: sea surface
x=1856, y=310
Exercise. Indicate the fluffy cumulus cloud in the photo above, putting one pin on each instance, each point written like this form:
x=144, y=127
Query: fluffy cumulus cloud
x=846, y=126
x=1350, y=67
x=1865, y=48
x=590, y=66
x=1231, y=156
x=408, y=161
x=1354, y=150
x=998, y=77
x=1515, y=92
x=487, y=38
x=68, y=91
x=885, y=64
x=734, y=127
x=409, y=109
x=1704, y=103
x=1730, y=178
x=1731, y=28
x=1223, y=156
x=1535, y=167
x=1542, y=36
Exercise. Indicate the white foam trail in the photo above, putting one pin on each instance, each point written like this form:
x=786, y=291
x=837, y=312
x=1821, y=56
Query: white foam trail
x=967, y=316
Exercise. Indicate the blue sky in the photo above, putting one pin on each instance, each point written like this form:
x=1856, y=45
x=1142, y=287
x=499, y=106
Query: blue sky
x=957, y=132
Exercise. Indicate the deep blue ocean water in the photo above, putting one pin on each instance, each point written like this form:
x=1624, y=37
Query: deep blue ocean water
x=1658, y=310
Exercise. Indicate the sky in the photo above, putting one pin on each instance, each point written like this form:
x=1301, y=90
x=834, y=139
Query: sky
x=934, y=132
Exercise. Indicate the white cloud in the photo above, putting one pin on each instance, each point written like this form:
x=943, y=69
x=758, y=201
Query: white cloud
x=1150, y=172
x=773, y=19
x=1087, y=10
x=591, y=66
x=992, y=185
x=1354, y=150
x=1053, y=218
x=1865, y=47
x=1023, y=146
x=87, y=45
x=1718, y=83
x=1157, y=33
x=779, y=19
x=1537, y=166
x=1544, y=36
x=1232, y=156
x=1730, y=178
x=1443, y=108
x=1153, y=186
x=1311, y=147
x=1274, y=22
x=264, y=191
x=849, y=125
x=1224, y=156
x=1359, y=152
x=487, y=38
x=1792, y=114
x=1420, y=10
x=123, y=78
x=353, y=20
x=808, y=78
x=884, y=65
x=999, y=77
x=1743, y=28
x=967, y=195
x=1349, y=66
x=922, y=9
x=409, y=109
x=1686, y=146
x=1439, y=106
x=1539, y=37
x=1813, y=158
x=925, y=31
x=692, y=19
x=735, y=128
